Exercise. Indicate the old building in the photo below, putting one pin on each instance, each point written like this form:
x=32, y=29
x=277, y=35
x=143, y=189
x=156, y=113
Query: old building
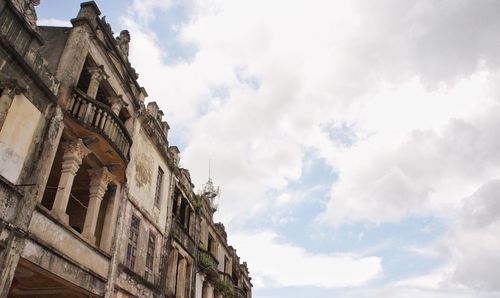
x=92, y=199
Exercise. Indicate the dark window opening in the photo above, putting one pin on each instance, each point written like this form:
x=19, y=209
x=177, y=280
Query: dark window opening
x=187, y=222
x=104, y=92
x=150, y=257
x=132, y=242
x=126, y=119
x=182, y=212
x=234, y=278
x=84, y=79
x=53, y=181
x=159, y=183
x=79, y=198
x=226, y=264
x=177, y=197
x=105, y=204
x=210, y=245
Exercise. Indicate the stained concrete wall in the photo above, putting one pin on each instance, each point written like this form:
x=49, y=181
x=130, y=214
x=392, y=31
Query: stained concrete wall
x=142, y=173
x=56, y=264
x=221, y=253
x=145, y=228
x=21, y=127
x=69, y=244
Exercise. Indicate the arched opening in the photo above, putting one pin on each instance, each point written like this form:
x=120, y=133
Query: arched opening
x=79, y=196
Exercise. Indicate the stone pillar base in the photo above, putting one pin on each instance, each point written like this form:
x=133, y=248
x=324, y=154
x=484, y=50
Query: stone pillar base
x=61, y=216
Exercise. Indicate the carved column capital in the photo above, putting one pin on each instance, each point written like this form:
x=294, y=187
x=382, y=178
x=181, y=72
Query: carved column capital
x=100, y=177
x=74, y=152
x=75, y=149
x=97, y=73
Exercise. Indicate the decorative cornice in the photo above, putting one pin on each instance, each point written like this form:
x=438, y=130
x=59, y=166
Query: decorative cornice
x=11, y=87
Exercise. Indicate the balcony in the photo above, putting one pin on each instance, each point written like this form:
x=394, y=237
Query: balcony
x=181, y=235
x=208, y=263
x=94, y=117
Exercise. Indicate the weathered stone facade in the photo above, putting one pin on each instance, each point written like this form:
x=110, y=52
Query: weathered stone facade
x=93, y=202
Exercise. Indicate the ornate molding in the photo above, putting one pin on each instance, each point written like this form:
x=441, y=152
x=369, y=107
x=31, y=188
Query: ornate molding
x=122, y=43
x=27, y=9
x=11, y=87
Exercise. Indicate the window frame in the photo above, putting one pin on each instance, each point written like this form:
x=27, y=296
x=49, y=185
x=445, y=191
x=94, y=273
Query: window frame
x=150, y=256
x=133, y=237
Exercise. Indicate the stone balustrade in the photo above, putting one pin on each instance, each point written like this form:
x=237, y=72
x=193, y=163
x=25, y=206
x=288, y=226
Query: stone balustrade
x=100, y=118
x=182, y=236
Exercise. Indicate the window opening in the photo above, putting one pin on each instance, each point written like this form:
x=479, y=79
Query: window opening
x=159, y=183
x=150, y=256
x=132, y=242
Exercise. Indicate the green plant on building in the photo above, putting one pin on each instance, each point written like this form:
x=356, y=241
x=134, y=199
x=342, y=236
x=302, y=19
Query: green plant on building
x=205, y=261
x=223, y=288
x=198, y=204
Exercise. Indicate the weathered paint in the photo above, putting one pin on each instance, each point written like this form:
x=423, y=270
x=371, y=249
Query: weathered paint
x=16, y=137
x=67, y=243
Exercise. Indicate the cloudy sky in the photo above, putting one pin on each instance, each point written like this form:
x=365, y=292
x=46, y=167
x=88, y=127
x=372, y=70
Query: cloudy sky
x=355, y=142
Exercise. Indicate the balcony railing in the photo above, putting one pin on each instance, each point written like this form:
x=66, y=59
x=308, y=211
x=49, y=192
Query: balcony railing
x=100, y=118
x=182, y=236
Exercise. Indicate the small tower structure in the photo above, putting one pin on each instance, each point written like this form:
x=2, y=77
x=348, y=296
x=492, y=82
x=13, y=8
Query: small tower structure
x=210, y=192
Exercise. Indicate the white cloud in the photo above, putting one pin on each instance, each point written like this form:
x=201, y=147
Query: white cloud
x=54, y=22
x=430, y=281
x=406, y=166
x=276, y=264
x=315, y=66
x=393, y=291
x=415, y=82
x=469, y=249
x=472, y=244
x=145, y=10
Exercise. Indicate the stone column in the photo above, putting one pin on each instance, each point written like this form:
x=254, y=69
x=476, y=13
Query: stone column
x=178, y=207
x=99, y=180
x=110, y=220
x=204, y=289
x=97, y=75
x=210, y=291
x=199, y=284
x=74, y=152
x=180, y=288
x=10, y=89
x=116, y=104
x=172, y=270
